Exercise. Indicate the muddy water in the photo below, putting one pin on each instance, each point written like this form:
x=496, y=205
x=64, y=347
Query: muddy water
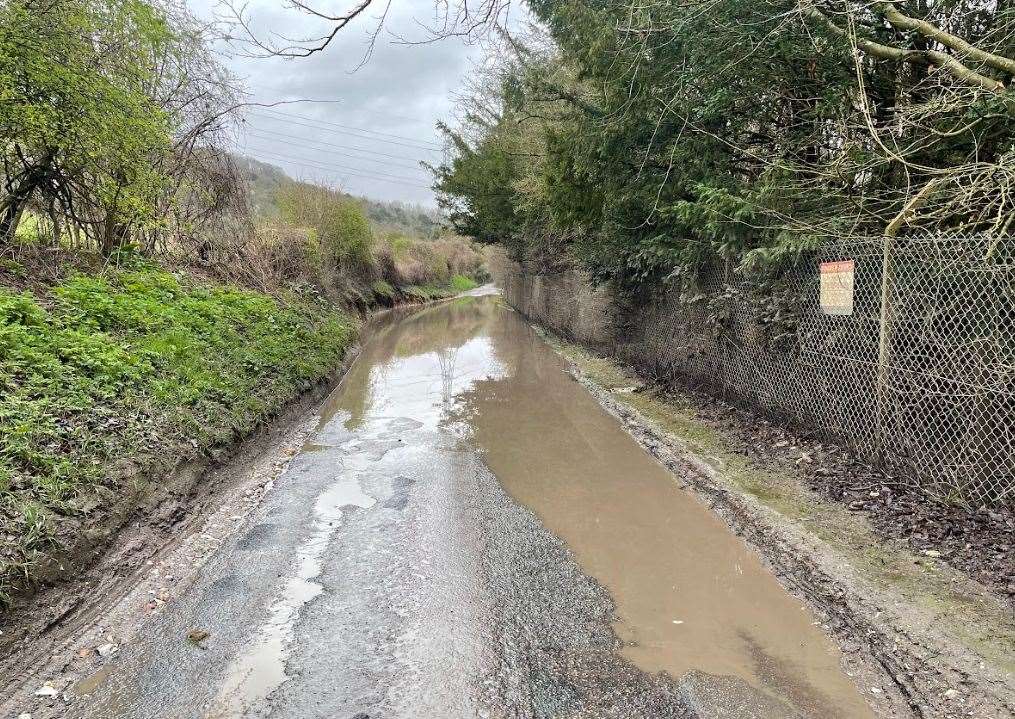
x=388, y=574
x=689, y=595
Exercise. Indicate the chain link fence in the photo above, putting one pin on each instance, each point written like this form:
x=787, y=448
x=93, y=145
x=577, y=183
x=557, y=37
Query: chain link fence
x=903, y=349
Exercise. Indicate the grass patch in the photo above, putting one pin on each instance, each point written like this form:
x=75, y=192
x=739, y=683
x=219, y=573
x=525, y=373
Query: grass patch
x=383, y=290
x=425, y=293
x=461, y=283
x=432, y=292
x=135, y=366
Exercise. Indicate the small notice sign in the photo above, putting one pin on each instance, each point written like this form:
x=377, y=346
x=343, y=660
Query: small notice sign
x=837, y=287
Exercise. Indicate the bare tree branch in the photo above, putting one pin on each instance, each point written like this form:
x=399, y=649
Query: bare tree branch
x=914, y=57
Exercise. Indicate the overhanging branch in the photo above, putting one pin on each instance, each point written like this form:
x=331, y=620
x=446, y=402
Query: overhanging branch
x=967, y=50
x=947, y=62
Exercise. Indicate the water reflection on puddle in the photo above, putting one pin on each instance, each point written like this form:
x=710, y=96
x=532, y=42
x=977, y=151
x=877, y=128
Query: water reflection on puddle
x=689, y=595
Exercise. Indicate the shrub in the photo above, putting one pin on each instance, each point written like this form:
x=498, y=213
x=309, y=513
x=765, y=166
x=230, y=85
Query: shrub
x=426, y=293
x=461, y=283
x=338, y=221
x=406, y=262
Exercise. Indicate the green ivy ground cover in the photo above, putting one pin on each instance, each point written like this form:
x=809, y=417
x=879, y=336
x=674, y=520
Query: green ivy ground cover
x=136, y=366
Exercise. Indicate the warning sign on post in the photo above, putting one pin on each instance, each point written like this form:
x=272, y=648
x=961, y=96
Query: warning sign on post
x=837, y=287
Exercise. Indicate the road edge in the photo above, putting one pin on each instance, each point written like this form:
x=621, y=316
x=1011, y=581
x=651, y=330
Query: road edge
x=927, y=676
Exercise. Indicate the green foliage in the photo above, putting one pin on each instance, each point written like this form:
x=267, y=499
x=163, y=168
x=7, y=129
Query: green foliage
x=383, y=290
x=439, y=291
x=426, y=293
x=401, y=245
x=338, y=222
x=137, y=365
x=461, y=283
x=346, y=232
x=405, y=261
x=75, y=103
x=28, y=231
x=644, y=143
x=475, y=190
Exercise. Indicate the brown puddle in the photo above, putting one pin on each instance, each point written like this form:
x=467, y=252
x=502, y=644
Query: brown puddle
x=688, y=593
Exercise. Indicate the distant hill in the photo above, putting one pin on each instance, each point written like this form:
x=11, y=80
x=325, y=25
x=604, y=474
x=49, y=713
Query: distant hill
x=407, y=218
x=264, y=180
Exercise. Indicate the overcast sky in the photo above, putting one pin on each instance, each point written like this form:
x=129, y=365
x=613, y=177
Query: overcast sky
x=380, y=119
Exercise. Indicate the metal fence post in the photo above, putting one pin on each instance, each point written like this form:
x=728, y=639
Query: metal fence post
x=884, y=341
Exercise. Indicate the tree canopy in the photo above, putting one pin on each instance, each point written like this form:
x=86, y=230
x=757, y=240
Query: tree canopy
x=103, y=107
x=645, y=139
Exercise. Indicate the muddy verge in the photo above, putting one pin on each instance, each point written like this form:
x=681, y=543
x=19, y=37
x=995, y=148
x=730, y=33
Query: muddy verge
x=101, y=559
x=979, y=542
x=936, y=674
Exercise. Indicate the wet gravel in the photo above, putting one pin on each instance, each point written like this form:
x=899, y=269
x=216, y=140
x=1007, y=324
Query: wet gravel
x=449, y=599
x=558, y=652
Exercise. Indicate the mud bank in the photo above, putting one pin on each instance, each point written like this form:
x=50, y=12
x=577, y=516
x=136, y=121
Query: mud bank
x=943, y=639
x=106, y=553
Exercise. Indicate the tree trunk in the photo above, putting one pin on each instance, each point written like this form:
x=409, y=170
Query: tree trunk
x=9, y=221
x=114, y=235
x=15, y=202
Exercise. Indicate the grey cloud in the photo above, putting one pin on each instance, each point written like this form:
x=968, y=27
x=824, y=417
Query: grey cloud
x=401, y=90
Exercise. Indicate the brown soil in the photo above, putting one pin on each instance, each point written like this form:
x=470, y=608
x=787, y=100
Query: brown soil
x=978, y=541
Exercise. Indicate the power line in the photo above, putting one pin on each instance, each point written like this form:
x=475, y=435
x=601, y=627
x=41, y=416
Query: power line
x=321, y=101
x=273, y=111
x=302, y=139
x=360, y=135
x=349, y=167
x=315, y=166
x=324, y=150
x=294, y=141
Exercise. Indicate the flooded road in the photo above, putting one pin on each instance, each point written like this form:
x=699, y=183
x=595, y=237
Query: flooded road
x=468, y=534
